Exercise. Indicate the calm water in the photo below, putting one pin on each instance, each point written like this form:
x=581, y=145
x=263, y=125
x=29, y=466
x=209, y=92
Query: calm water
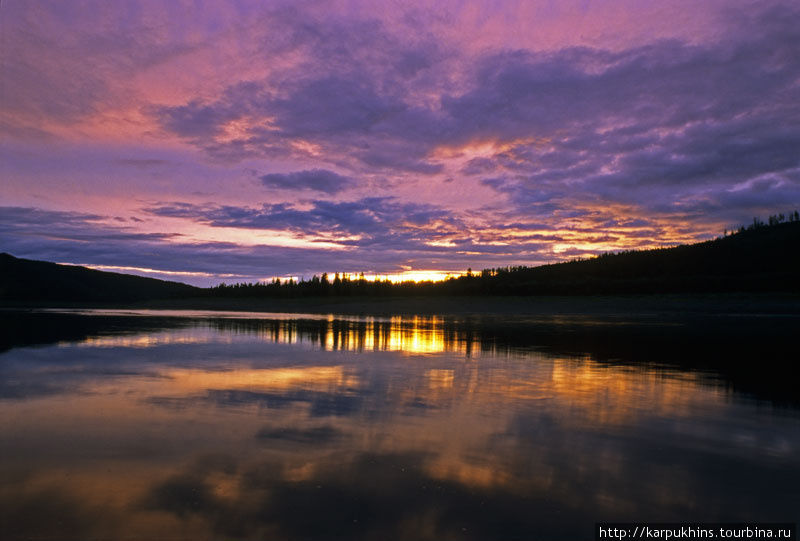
x=122, y=425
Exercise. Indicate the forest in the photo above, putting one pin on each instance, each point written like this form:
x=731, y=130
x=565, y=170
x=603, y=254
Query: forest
x=761, y=257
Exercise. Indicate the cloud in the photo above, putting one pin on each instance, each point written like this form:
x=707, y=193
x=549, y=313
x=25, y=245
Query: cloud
x=374, y=235
x=67, y=226
x=679, y=132
x=387, y=235
x=320, y=180
x=659, y=129
x=91, y=239
x=353, y=93
x=577, y=121
x=341, y=114
x=370, y=217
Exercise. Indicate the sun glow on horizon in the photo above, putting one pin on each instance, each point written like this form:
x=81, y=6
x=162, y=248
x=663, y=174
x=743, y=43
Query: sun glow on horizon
x=396, y=278
x=417, y=276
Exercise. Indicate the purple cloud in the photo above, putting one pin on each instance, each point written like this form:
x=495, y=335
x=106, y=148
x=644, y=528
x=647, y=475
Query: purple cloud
x=320, y=180
x=374, y=218
x=87, y=239
x=664, y=113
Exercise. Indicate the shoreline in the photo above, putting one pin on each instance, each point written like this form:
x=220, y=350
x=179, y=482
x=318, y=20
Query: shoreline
x=751, y=304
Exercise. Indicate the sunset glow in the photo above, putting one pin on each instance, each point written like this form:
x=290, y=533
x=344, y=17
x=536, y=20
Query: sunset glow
x=416, y=276
x=246, y=140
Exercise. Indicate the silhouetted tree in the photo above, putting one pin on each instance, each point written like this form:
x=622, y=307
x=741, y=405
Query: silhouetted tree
x=759, y=256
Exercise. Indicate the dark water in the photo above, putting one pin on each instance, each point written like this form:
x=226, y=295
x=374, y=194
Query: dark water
x=151, y=426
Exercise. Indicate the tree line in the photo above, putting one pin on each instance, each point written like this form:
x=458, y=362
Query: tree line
x=774, y=219
x=764, y=255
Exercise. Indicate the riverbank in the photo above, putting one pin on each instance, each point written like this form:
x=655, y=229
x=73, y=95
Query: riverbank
x=718, y=303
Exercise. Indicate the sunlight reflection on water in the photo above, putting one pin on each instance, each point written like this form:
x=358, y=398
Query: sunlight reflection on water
x=291, y=427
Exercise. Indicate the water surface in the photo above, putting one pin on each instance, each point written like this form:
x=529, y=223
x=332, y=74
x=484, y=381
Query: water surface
x=202, y=425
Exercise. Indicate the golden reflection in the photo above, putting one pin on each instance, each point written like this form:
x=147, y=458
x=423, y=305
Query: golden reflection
x=440, y=379
x=306, y=377
x=468, y=474
x=149, y=340
x=412, y=335
x=615, y=395
x=524, y=423
x=409, y=335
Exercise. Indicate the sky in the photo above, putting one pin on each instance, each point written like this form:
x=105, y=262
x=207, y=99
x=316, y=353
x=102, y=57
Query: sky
x=240, y=141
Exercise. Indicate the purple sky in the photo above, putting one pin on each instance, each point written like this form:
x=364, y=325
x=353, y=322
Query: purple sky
x=244, y=140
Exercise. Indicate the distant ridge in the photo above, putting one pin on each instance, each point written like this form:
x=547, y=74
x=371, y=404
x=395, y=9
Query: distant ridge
x=759, y=258
x=42, y=281
x=762, y=258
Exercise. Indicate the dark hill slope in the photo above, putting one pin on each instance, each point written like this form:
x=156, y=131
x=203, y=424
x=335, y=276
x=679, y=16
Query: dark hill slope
x=29, y=280
x=760, y=259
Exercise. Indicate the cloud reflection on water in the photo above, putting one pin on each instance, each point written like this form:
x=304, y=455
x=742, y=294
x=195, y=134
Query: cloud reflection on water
x=397, y=428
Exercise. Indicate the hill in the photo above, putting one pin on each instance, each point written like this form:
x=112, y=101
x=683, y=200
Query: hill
x=759, y=258
x=762, y=258
x=29, y=280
